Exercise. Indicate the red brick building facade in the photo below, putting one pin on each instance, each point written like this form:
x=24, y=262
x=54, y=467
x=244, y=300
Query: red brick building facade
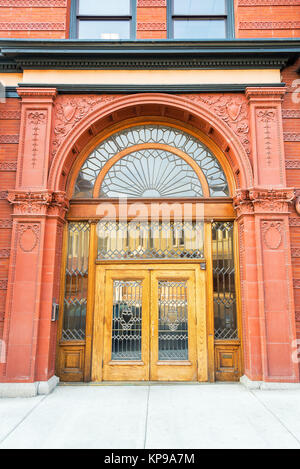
x=239, y=96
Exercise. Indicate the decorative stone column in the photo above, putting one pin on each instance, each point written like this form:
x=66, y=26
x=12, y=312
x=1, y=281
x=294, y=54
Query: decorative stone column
x=267, y=285
x=265, y=253
x=38, y=215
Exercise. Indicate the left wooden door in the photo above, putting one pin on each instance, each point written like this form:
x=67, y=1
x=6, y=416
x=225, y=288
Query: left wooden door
x=126, y=325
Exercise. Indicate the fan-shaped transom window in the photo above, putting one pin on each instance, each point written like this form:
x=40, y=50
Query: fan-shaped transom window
x=175, y=165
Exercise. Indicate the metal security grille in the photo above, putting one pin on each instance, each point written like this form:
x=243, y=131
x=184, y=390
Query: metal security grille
x=143, y=240
x=127, y=320
x=75, y=299
x=224, y=281
x=173, y=320
x=149, y=134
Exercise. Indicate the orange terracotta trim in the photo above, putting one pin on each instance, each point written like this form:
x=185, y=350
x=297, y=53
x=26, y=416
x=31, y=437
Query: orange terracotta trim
x=236, y=158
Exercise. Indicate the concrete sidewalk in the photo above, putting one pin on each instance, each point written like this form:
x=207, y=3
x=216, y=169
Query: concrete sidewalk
x=156, y=416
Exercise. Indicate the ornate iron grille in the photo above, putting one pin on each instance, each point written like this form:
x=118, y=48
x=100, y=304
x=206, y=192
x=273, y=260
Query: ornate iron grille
x=224, y=281
x=127, y=320
x=173, y=320
x=75, y=300
x=150, y=240
x=172, y=137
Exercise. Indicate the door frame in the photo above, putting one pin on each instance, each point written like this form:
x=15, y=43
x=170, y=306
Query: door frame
x=200, y=306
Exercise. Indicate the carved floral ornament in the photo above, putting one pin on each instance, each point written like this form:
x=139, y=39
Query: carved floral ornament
x=36, y=119
x=232, y=110
x=248, y=202
x=70, y=111
x=39, y=203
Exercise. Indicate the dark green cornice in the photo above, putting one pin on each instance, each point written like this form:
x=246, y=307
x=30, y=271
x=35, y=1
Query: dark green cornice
x=19, y=54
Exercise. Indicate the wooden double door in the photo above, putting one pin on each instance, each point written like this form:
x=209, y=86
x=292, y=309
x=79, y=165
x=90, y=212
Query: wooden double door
x=150, y=323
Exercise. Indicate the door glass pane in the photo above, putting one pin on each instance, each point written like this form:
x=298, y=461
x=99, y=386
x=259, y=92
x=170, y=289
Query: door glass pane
x=144, y=240
x=104, y=8
x=75, y=300
x=224, y=281
x=104, y=30
x=127, y=320
x=199, y=7
x=172, y=320
x=199, y=29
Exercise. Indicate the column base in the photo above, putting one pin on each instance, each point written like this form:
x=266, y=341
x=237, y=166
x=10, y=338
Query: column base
x=267, y=386
x=39, y=388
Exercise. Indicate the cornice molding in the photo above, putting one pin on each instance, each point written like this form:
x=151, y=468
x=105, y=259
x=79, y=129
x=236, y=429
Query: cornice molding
x=133, y=63
x=20, y=54
x=133, y=89
x=40, y=92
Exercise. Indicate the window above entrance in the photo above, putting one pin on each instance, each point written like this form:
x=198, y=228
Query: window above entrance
x=113, y=20
x=194, y=19
x=151, y=161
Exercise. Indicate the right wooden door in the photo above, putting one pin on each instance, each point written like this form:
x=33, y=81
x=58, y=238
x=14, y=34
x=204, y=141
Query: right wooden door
x=173, y=326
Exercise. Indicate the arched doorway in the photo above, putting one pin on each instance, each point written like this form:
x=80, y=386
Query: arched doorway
x=150, y=265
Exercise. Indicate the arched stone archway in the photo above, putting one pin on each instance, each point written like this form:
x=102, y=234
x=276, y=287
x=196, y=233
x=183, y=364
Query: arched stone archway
x=231, y=134
x=53, y=134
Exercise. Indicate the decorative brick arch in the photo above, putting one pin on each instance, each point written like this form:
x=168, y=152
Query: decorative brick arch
x=228, y=130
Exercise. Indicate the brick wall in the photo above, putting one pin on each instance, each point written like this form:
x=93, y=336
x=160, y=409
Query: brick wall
x=151, y=19
x=50, y=18
x=267, y=18
x=34, y=19
x=9, y=130
x=291, y=128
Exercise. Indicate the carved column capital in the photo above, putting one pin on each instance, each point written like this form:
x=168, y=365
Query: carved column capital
x=30, y=203
x=39, y=203
x=263, y=201
x=59, y=204
x=263, y=94
x=271, y=200
x=37, y=94
x=242, y=203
